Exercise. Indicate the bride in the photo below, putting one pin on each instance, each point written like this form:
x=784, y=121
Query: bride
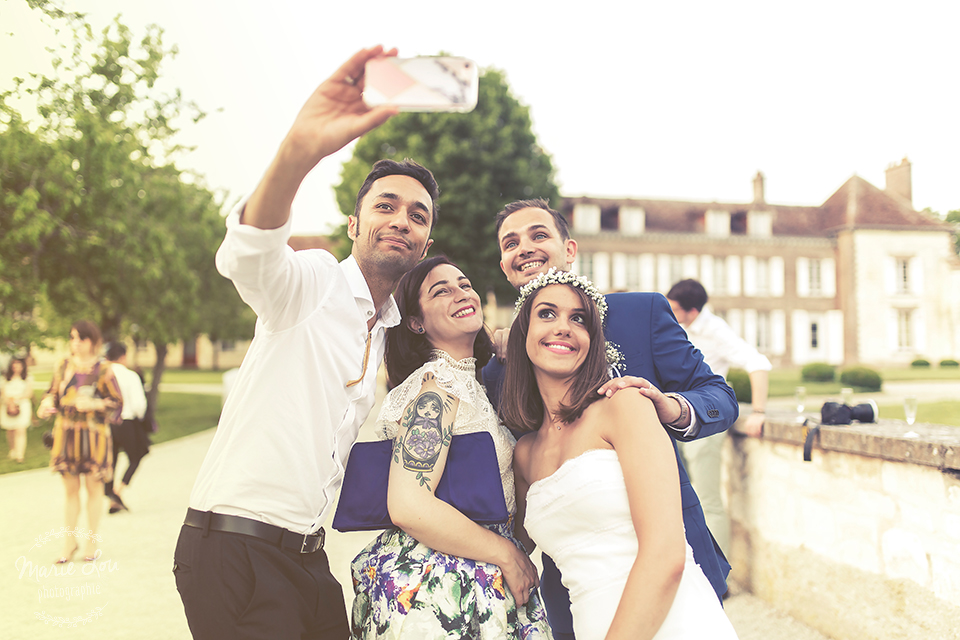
x=596, y=478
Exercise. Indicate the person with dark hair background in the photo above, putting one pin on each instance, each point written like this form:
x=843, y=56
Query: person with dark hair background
x=131, y=434
x=722, y=348
x=85, y=398
x=597, y=486
x=440, y=574
x=16, y=394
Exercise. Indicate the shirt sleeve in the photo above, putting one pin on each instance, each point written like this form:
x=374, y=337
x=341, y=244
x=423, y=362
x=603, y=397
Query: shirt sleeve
x=283, y=287
x=138, y=398
x=736, y=351
x=109, y=389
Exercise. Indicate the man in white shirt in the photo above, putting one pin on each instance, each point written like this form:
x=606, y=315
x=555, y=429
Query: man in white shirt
x=250, y=562
x=129, y=434
x=722, y=349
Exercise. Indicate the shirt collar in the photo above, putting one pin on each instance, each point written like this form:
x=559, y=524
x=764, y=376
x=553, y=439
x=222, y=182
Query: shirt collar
x=701, y=320
x=389, y=313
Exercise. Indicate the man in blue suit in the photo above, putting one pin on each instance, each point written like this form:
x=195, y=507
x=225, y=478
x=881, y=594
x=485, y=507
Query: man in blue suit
x=692, y=402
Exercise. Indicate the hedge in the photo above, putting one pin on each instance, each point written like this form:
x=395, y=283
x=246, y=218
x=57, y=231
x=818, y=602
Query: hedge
x=862, y=377
x=818, y=372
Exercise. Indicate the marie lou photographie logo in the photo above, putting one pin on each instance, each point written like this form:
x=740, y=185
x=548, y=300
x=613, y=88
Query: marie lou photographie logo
x=68, y=594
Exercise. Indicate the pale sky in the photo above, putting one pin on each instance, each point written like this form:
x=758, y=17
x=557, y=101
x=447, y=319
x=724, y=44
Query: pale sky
x=679, y=100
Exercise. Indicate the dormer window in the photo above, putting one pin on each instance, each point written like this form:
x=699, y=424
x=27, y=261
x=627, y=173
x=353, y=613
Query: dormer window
x=586, y=218
x=760, y=224
x=717, y=223
x=633, y=221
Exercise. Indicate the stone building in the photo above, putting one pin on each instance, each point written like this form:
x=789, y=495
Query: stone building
x=861, y=278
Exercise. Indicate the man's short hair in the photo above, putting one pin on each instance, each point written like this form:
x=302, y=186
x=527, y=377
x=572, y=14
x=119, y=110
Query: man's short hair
x=415, y=170
x=538, y=203
x=689, y=293
x=115, y=351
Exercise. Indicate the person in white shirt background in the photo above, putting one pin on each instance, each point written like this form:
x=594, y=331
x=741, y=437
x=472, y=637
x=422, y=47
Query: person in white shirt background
x=249, y=562
x=130, y=434
x=722, y=349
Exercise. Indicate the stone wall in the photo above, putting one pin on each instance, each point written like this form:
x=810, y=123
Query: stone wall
x=862, y=541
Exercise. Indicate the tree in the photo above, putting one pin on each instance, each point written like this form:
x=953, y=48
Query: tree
x=954, y=217
x=482, y=160
x=26, y=195
x=109, y=227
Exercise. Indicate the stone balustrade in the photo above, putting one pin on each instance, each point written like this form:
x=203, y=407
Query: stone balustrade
x=862, y=541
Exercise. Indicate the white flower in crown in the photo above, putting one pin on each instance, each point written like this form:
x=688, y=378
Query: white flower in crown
x=556, y=276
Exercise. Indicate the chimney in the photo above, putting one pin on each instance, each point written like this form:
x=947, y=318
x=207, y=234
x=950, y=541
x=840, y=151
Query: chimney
x=758, y=188
x=899, y=182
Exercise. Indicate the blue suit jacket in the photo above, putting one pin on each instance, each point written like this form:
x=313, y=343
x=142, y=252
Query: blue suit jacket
x=656, y=347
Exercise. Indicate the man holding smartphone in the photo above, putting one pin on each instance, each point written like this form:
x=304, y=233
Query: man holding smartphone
x=249, y=562
x=691, y=401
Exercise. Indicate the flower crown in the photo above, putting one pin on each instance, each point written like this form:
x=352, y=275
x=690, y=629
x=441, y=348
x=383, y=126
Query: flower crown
x=556, y=276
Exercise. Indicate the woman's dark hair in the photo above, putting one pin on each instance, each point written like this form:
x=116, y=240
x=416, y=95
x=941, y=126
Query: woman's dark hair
x=88, y=331
x=8, y=374
x=407, y=351
x=521, y=407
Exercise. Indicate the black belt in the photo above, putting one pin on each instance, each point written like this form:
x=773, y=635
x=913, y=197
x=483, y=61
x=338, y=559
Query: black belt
x=283, y=538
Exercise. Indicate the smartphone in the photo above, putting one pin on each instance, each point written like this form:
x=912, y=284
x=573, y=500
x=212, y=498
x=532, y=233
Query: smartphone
x=427, y=83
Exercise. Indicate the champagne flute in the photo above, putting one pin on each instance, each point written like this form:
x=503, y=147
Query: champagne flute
x=846, y=396
x=800, y=393
x=910, y=409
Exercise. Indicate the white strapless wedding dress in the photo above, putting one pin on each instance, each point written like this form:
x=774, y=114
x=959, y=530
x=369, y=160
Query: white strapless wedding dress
x=580, y=517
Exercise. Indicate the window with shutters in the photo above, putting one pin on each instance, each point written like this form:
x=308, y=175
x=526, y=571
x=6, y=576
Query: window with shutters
x=902, y=282
x=904, y=333
x=763, y=277
x=586, y=265
x=719, y=275
x=763, y=330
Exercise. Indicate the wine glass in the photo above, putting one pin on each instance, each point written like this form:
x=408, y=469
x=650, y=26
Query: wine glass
x=846, y=396
x=800, y=393
x=910, y=409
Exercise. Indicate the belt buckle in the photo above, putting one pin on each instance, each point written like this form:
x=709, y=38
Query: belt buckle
x=312, y=542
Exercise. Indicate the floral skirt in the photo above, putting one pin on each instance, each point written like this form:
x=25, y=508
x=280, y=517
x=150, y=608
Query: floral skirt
x=405, y=589
x=82, y=448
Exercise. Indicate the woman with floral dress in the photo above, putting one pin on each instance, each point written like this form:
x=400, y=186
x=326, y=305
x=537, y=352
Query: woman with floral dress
x=85, y=397
x=439, y=574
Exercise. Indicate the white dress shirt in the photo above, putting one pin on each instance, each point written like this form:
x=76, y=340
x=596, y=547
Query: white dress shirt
x=722, y=348
x=290, y=420
x=131, y=388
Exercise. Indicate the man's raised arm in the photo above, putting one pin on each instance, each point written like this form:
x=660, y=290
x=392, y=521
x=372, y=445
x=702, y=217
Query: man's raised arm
x=332, y=117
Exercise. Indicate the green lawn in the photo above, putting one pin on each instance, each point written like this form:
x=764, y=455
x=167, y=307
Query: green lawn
x=178, y=415
x=179, y=376
x=947, y=413
x=921, y=373
x=784, y=381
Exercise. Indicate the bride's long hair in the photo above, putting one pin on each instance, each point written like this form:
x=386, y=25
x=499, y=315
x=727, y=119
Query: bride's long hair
x=521, y=407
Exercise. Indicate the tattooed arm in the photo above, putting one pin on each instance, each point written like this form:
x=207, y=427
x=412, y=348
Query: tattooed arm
x=419, y=457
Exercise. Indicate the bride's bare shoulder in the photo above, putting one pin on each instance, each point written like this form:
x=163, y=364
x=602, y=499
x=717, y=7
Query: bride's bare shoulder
x=624, y=401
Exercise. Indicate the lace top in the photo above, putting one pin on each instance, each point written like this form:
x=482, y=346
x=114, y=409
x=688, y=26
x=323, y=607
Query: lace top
x=475, y=413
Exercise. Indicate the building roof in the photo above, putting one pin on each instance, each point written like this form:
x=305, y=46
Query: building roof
x=856, y=202
x=859, y=203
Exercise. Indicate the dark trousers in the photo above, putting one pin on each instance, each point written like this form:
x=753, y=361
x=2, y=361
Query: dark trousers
x=131, y=437
x=556, y=600
x=237, y=586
